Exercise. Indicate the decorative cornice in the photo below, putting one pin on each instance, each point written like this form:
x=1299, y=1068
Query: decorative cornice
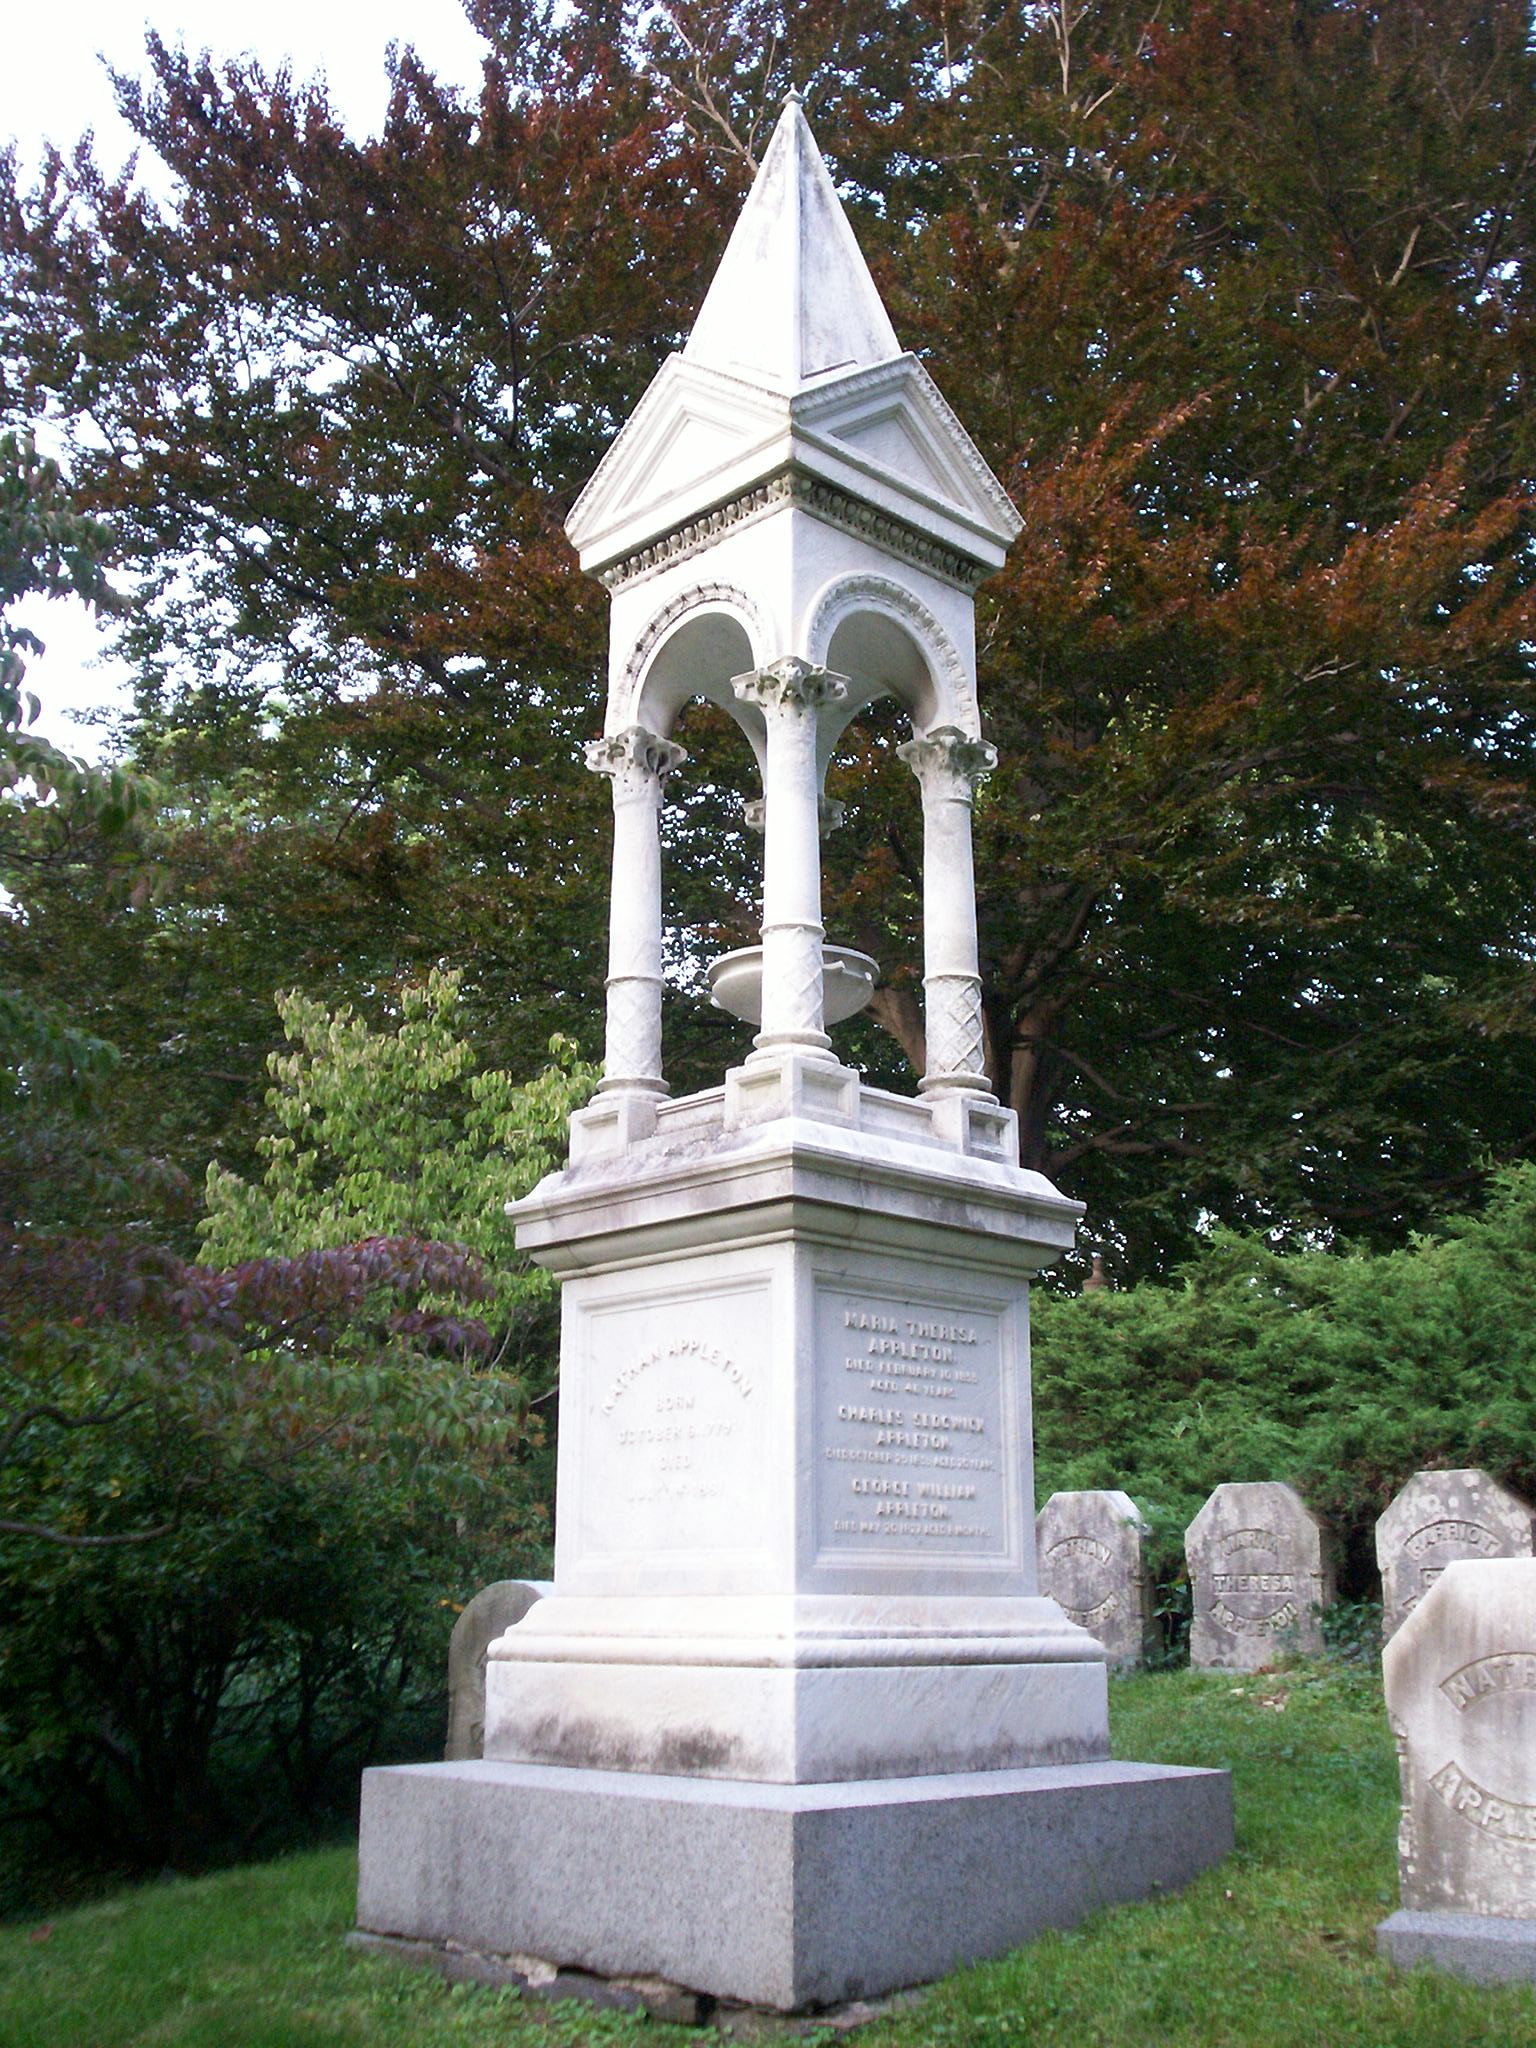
x=823, y=501
x=832, y=396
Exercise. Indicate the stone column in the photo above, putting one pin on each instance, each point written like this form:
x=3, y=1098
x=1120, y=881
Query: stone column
x=948, y=765
x=639, y=764
x=789, y=694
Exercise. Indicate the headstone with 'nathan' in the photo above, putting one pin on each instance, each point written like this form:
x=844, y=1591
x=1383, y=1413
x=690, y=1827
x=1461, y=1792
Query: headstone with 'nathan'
x=1460, y=1677
x=1438, y=1518
x=1260, y=1571
x=1090, y=1551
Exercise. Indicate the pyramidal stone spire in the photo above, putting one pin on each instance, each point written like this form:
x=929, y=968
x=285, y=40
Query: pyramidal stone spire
x=793, y=298
x=793, y=390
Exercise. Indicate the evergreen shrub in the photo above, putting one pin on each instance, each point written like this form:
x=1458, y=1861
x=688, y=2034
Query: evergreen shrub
x=1340, y=1373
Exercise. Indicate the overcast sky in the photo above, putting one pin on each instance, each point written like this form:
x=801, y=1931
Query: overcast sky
x=52, y=87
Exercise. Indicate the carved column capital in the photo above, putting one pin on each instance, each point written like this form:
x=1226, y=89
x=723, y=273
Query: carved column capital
x=830, y=813
x=636, y=759
x=790, y=682
x=949, y=763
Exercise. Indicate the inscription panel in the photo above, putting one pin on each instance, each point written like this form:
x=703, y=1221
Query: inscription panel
x=674, y=1427
x=914, y=1438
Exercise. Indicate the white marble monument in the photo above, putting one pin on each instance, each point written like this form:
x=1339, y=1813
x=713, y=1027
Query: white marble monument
x=1460, y=1681
x=796, y=1724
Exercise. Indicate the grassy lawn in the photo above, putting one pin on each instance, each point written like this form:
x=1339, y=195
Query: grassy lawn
x=1276, y=1947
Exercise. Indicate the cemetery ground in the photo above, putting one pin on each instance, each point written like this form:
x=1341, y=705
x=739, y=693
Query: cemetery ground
x=1273, y=1948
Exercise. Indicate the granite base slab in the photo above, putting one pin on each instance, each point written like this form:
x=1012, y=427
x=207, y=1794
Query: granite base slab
x=1476, y=1946
x=790, y=1897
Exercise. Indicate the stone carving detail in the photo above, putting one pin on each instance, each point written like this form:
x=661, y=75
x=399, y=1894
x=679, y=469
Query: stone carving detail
x=703, y=597
x=1090, y=1553
x=694, y=535
x=830, y=813
x=837, y=507
x=1261, y=1570
x=790, y=682
x=948, y=762
x=869, y=592
x=633, y=1033
x=1437, y=1518
x=1460, y=1678
x=952, y=1017
x=636, y=759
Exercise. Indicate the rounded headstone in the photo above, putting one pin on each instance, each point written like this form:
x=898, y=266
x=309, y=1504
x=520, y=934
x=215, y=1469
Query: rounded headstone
x=492, y=1611
x=1460, y=1677
x=1090, y=1552
x=1260, y=1572
x=1438, y=1519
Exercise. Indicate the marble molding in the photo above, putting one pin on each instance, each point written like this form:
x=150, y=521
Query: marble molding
x=1460, y=1680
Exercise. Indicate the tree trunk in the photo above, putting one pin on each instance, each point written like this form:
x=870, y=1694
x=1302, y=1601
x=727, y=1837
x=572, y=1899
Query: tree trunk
x=1033, y=1071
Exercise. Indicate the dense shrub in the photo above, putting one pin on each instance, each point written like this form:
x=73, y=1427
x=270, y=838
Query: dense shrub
x=237, y=1509
x=1341, y=1374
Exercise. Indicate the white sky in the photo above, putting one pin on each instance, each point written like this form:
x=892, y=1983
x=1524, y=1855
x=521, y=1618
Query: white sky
x=53, y=87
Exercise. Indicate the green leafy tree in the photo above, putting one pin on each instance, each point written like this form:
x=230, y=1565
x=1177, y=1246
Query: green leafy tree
x=1236, y=300
x=52, y=1063
x=395, y=1133
x=237, y=1510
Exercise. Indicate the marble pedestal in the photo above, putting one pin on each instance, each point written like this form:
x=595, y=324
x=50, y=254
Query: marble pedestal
x=796, y=1651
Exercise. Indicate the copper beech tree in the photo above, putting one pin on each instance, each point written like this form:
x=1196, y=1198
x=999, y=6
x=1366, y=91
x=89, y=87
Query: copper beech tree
x=1235, y=295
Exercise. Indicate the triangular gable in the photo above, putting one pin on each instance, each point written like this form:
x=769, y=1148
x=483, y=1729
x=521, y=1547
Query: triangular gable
x=690, y=425
x=894, y=424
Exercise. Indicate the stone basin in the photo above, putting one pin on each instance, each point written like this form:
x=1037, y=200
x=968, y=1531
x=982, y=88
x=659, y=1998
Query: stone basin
x=848, y=982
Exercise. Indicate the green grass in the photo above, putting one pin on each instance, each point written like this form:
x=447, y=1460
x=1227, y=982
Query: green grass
x=1274, y=1949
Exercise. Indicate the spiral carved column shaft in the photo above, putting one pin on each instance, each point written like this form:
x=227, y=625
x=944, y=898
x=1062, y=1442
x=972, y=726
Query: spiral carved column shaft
x=948, y=765
x=638, y=764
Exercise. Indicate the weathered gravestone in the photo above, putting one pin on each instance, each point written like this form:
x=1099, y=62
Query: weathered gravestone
x=1461, y=1695
x=1090, y=1551
x=1260, y=1571
x=493, y=1610
x=1438, y=1518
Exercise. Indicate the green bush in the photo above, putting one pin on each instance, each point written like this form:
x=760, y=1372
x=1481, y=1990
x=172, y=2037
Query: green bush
x=1341, y=1374
x=237, y=1511
x=241, y=1500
